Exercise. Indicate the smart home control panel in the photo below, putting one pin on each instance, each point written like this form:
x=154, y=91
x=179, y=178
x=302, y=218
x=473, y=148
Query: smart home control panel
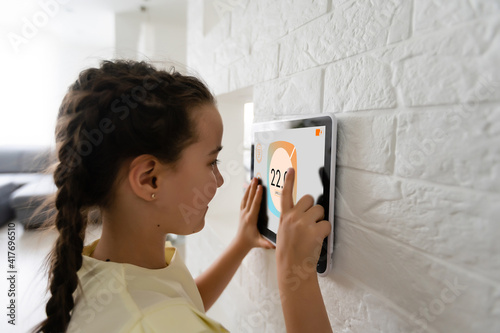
x=307, y=145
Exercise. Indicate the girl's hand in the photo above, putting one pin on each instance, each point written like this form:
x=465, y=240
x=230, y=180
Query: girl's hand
x=248, y=235
x=213, y=281
x=301, y=230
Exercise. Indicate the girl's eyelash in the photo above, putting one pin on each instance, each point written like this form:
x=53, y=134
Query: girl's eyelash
x=215, y=162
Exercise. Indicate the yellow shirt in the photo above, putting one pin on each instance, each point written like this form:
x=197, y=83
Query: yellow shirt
x=128, y=298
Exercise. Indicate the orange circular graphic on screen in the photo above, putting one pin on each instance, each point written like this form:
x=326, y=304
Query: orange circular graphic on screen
x=281, y=156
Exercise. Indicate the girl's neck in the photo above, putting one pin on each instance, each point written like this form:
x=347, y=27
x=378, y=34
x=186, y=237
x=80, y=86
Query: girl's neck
x=124, y=244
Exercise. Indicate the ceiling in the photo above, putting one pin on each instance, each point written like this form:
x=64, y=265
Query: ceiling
x=82, y=21
x=171, y=10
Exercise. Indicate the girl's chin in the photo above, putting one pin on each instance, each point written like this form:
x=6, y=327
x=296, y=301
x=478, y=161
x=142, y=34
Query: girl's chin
x=200, y=225
x=201, y=222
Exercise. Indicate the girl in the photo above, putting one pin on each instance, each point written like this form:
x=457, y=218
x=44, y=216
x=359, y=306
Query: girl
x=141, y=145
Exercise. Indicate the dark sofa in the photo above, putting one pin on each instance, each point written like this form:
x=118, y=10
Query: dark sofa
x=23, y=185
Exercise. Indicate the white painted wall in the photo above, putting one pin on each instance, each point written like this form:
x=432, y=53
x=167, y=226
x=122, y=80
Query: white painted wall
x=151, y=36
x=416, y=88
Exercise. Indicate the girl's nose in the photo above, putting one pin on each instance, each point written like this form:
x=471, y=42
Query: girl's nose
x=220, y=179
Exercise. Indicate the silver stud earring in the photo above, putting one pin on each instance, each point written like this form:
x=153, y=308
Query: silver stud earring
x=153, y=196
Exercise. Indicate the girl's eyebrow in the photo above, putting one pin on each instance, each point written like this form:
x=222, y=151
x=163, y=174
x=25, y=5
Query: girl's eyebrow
x=216, y=150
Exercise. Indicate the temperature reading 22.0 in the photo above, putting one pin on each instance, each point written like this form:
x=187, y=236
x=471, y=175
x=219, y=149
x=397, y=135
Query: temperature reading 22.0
x=281, y=156
x=276, y=174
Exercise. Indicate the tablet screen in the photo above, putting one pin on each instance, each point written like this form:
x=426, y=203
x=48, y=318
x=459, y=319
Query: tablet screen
x=300, y=148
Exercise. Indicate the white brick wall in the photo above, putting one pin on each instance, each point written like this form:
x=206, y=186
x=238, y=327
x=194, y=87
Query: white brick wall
x=416, y=88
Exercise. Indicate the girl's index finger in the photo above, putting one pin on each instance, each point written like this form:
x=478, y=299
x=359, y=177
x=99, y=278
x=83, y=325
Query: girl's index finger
x=287, y=196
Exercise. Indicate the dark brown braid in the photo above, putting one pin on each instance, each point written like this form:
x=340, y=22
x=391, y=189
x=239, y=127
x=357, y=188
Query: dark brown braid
x=118, y=111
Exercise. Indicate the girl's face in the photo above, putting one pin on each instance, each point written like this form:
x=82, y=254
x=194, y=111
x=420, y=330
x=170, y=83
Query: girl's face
x=191, y=186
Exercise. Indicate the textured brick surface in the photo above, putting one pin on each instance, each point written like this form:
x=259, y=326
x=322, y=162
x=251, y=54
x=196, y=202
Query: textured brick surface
x=351, y=305
x=261, y=21
x=353, y=27
x=219, y=35
x=261, y=65
x=485, y=7
x=431, y=292
x=299, y=12
x=457, y=146
x=299, y=94
x=358, y=84
x=265, y=21
x=449, y=66
x=366, y=142
x=231, y=50
x=431, y=14
x=445, y=223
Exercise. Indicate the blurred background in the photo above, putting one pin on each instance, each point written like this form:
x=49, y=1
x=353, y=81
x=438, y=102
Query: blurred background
x=45, y=44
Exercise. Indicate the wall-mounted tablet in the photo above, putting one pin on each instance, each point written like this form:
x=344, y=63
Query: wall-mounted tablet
x=308, y=145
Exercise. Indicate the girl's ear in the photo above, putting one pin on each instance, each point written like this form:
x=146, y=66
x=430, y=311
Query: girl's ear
x=143, y=175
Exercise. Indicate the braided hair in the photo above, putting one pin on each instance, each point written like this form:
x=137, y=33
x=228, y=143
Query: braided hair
x=110, y=114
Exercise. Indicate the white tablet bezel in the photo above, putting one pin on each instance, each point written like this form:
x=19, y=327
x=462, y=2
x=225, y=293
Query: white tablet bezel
x=329, y=121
